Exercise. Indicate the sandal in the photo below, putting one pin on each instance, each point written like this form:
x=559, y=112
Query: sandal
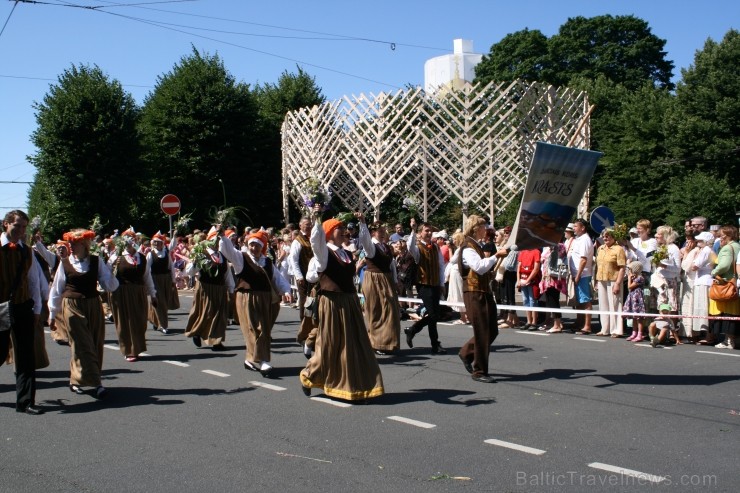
x=553, y=330
x=76, y=389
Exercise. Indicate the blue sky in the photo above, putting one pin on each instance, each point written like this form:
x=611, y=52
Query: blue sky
x=345, y=45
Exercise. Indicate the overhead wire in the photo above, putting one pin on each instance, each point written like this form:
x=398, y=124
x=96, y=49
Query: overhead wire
x=8, y=19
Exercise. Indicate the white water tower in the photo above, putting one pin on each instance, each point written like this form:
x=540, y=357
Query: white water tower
x=452, y=71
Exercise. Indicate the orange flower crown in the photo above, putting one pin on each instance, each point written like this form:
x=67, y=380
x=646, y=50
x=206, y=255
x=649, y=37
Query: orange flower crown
x=78, y=235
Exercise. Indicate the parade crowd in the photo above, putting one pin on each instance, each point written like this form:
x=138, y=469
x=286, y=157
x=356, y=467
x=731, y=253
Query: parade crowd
x=352, y=283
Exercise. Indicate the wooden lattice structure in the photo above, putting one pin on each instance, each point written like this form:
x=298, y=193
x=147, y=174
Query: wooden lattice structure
x=474, y=144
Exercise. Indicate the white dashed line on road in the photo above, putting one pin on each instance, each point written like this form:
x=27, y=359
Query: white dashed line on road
x=515, y=446
x=216, y=373
x=719, y=354
x=651, y=347
x=589, y=339
x=176, y=363
x=331, y=402
x=110, y=346
x=627, y=472
x=412, y=422
x=268, y=386
x=538, y=333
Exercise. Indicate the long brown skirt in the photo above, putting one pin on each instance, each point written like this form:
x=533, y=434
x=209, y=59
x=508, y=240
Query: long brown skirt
x=344, y=364
x=129, y=307
x=39, y=339
x=163, y=285
x=256, y=319
x=381, y=311
x=207, y=318
x=61, y=333
x=84, y=320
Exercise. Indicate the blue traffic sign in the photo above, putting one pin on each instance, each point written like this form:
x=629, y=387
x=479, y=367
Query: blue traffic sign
x=602, y=217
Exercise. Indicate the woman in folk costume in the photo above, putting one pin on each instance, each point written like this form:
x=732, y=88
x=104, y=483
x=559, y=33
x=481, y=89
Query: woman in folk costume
x=163, y=276
x=258, y=289
x=74, y=298
x=129, y=301
x=343, y=364
x=207, y=319
x=379, y=289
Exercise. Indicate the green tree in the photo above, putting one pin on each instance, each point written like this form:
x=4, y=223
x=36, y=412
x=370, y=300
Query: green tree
x=520, y=55
x=291, y=92
x=700, y=193
x=704, y=125
x=622, y=48
x=87, y=151
x=199, y=129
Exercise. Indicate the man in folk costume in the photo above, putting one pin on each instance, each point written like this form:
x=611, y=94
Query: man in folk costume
x=19, y=279
x=299, y=258
x=207, y=318
x=163, y=276
x=430, y=283
x=343, y=365
x=129, y=302
x=480, y=306
x=74, y=299
x=379, y=289
x=258, y=289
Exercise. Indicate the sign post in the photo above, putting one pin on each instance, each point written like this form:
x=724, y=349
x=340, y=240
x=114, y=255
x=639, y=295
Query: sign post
x=170, y=205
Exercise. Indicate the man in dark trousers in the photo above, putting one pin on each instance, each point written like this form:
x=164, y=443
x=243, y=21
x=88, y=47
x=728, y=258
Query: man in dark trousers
x=19, y=284
x=429, y=285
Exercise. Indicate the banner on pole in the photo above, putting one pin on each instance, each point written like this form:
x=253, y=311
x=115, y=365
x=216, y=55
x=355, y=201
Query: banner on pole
x=556, y=182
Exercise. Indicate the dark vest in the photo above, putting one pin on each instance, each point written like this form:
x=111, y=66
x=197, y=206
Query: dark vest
x=217, y=277
x=10, y=261
x=81, y=285
x=161, y=265
x=381, y=262
x=471, y=280
x=338, y=276
x=428, y=264
x=131, y=274
x=306, y=253
x=254, y=277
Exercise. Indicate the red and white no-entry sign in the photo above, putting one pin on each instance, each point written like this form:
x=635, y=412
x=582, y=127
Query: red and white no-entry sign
x=170, y=204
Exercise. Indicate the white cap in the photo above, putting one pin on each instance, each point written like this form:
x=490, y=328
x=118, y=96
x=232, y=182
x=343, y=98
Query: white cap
x=705, y=236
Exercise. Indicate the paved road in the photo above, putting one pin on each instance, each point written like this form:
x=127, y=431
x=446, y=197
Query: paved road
x=568, y=414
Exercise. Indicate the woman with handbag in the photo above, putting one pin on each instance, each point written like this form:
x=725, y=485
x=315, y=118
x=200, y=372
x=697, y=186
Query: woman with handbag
x=723, y=298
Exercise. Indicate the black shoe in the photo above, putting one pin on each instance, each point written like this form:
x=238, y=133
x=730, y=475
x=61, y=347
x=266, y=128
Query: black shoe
x=196, y=341
x=62, y=342
x=438, y=349
x=306, y=391
x=164, y=330
x=32, y=410
x=100, y=392
x=218, y=347
x=530, y=327
x=409, y=331
x=76, y=389
x=484, y=378
x=381, y=353
x=468, y=365
x=247, y=366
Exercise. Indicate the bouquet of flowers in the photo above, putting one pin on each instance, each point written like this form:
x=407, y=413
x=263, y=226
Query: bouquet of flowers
x=35, y=224
x=201, y=256
x=345, y=217
x=181, y=225
x=97, y=224
x=660, y=254
x=227, y=215
x=620, y=232
x=315, y=193
x=411, y=204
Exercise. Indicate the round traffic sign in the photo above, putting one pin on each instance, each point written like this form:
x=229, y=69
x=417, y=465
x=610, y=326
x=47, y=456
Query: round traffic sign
x=602, y=217
x=170, y=204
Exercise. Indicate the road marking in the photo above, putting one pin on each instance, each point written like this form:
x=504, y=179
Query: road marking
x=47, y=331
x=719, y=354
x=110, y=346
x=538, y=333
x=627, y=472
x=144, y=354
x=216, y=373
x=651, y=347
x=329, y=401
x=176, y=363
x=515, y=446
x=589, y=339
x=412, y=422
x=267, y=385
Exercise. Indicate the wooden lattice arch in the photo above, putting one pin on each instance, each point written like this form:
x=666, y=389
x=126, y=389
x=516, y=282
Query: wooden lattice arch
x=474, y=144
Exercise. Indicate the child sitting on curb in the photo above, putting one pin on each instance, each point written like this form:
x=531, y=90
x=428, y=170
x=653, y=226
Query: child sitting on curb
x=664, y=325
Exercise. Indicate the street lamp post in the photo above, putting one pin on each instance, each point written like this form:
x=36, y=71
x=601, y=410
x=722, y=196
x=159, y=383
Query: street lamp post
x=223, y=189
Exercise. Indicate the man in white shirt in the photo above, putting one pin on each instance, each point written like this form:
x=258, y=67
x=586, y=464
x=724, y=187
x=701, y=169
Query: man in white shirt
x=580, y=263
